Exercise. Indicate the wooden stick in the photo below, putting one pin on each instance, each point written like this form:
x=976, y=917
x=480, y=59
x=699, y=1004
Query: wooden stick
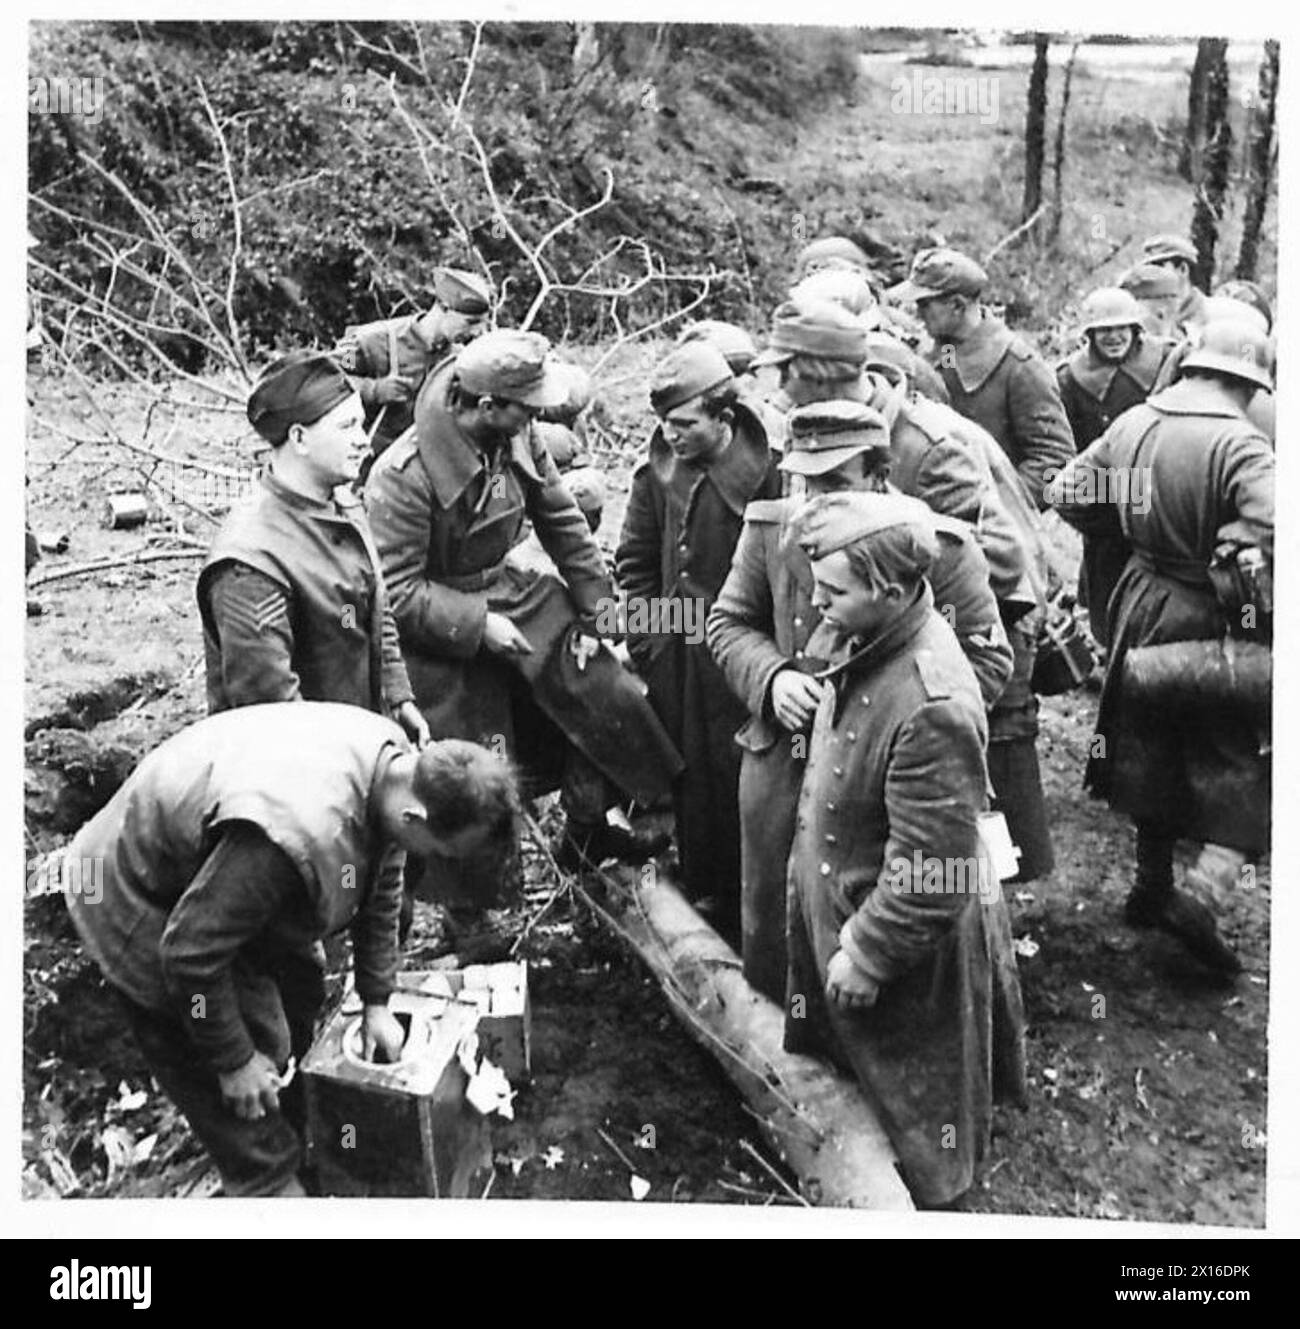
x=104, y=564
x=773, y=1173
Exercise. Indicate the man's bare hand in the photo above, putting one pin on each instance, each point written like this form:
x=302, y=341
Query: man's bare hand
x=392, y=391
x=382, y=1036
x=413, y=722
x=501, y=637
x=795, y=698
x=254, y=1089
x=847, y=986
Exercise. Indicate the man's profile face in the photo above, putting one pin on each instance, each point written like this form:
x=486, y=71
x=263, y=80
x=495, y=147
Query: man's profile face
x=941, y=315
x=335, y=445
x=451, y=326
x=504, y=417
x=693, y=434
x=1180, y=268
x=845, y=602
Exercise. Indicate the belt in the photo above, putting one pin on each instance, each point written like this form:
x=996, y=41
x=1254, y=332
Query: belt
x=473, y=581
x=1185, y=570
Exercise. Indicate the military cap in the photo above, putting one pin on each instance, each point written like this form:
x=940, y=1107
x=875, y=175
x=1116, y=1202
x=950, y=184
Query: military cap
x=685, y=373
x=1248, y=293
x=1162, y=248
x=830, y=251
x=461, y=291
x=938, y=272
x=1235, y=347
x=847, y=287
x=514, y=365
x=834, y=521
x=1147, y=281
x=1109, y=307
x=736, y=345
x=814, y=327
x=578, y=392
x=824, y=435
x=587, y=486
x=296, y=389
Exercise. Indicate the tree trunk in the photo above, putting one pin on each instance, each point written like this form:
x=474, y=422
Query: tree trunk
x=1035, y=129
x=815, y=1120
x=1058, y=154
x=1212, y=187
x=1189, y=159
x=1260, y=163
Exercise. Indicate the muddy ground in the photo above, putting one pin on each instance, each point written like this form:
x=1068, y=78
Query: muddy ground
x=1149, y=1086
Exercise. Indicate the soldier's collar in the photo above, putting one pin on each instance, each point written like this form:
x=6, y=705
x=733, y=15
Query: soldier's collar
x=975, y=358
x=342, y=499
x=857, y=657
x=737, y=473
x=450, y=456
x=1191, y=396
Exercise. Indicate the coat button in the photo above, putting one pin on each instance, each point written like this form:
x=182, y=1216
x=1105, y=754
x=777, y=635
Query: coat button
x=798, y=622
x=830, y=839
x=839, y=770
x=825, y=869
x=866, y=701
x=831, y=807
x=798, y=655
x=851, y=736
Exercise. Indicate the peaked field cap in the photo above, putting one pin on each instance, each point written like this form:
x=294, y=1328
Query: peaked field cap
x=818, y=328
x=827, y=251
x=1161, y=248
x=938, y=272
x=834, y=521
x=824, y=435
x=514, y=365
x=461, y=291
x=1235, y=347
x=1149, y=281
x=296, y=389
x=736, y=345
x=685, y=373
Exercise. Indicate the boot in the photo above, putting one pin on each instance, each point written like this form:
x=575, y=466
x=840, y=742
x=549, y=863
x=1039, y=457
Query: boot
x=584, y=845
x=1155, y=903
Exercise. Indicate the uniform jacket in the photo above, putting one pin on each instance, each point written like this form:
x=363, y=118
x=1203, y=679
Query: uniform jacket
x=950, y=474
x=445, y=517
x=997, y=379
x=764, y=621
x=1262, y=410
x=891, y=796
x=1095, y=392
x=319, y=626
x=1206, y=468
x=389, y=348
x=679, y=533
x=304, y=775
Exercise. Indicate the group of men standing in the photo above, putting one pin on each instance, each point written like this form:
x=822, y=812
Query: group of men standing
x=853, y=518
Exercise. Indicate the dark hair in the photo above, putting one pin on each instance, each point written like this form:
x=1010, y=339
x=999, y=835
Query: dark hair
x=717, y=400
x=899, y=554
x=463, y=784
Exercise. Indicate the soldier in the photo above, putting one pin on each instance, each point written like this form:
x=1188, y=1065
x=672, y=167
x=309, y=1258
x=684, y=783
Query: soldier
x=901, y=966
x=1206, y=479
x=292, y=595
x=707, y=459
x=850, y=290
x=740, y=353
x=830, y=251
x=1261, y=411
x=1178, y=257
x=993, y=375
x=220, y=863
x=944, y=459
x=1115, y=367
x=496, y=650
x=561, y=429
x=1156, y=289
x=389, y=359
x=763, y=635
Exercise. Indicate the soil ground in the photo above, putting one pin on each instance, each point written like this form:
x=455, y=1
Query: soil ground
x=1148, y=1085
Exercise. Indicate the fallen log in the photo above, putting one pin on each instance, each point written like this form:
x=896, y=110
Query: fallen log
x=817, y=1122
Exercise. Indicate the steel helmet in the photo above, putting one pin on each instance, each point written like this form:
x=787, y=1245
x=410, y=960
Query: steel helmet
x=1110, y=307
x=1235, y=347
